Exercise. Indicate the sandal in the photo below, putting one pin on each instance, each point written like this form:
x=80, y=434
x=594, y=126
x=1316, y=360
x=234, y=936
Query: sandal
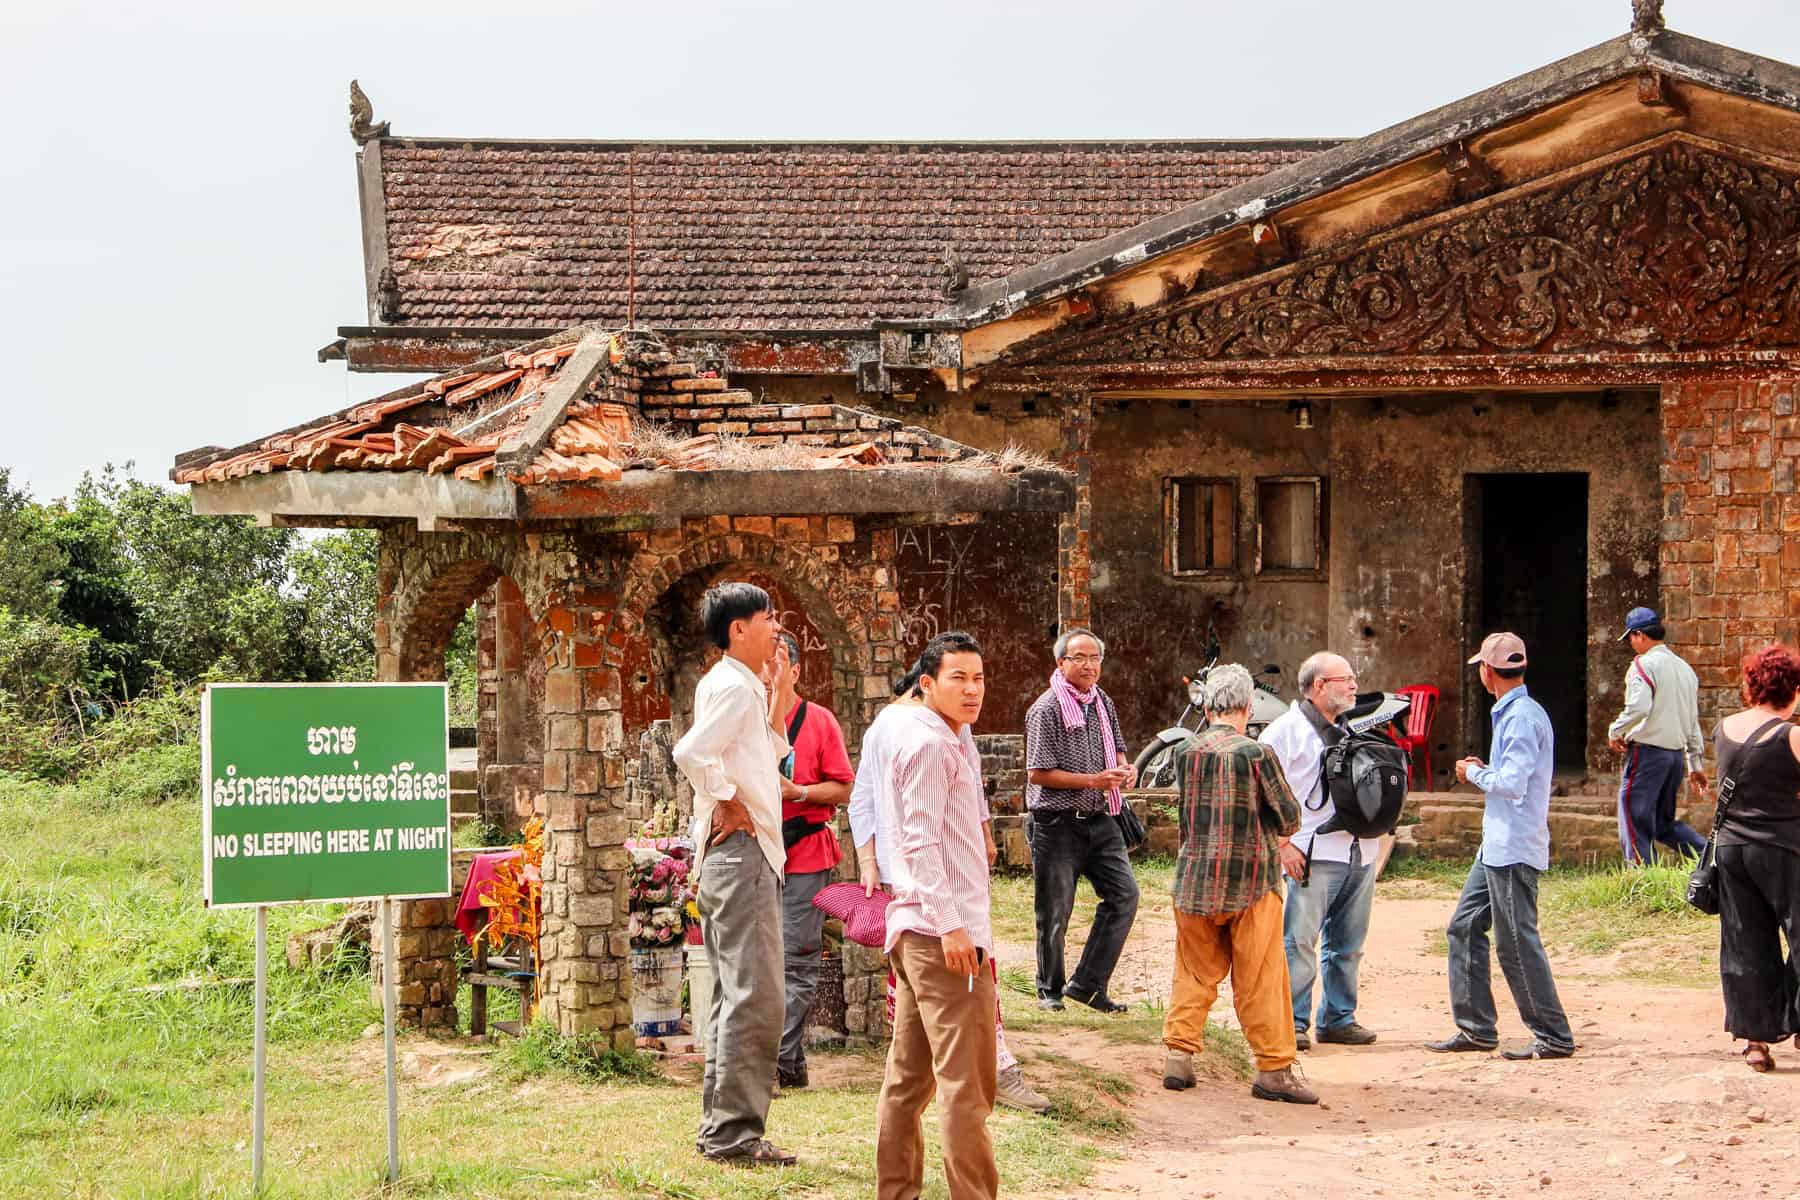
x=1758, y=1058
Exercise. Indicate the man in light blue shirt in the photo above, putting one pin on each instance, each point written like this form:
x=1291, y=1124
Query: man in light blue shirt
x=1502, y=889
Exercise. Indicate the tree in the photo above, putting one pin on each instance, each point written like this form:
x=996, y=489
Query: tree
x=97, y=591
x=31, y=564
x=208, y=590
x=334, y=580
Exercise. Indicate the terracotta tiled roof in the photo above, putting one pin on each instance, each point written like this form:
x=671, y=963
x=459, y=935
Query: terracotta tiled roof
x=672, y=417
x=760, y=236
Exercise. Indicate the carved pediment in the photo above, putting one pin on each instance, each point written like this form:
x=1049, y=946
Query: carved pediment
x=1679, y=248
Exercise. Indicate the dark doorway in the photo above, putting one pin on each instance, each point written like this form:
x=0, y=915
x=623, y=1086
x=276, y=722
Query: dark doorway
x=1526, y=544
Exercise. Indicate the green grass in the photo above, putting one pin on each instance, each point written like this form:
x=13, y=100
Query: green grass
x=125, y=1056
x=1639, y=911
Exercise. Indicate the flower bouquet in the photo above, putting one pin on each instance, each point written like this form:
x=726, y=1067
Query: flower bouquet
x=661, y=896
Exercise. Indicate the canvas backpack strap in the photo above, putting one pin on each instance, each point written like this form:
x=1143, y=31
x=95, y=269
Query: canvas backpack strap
x=799, y=719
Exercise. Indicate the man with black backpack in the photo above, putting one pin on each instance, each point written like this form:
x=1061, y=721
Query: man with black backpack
x=815, y=782
x=1331, y=873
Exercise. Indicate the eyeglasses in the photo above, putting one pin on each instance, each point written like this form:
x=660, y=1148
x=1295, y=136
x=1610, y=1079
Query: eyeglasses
x=1337, y=679
x=1084, y=660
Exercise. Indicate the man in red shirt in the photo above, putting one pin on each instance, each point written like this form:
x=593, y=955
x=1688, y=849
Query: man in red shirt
x=816, y=782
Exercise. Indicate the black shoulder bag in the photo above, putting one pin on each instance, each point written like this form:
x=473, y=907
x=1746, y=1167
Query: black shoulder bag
x=795, y=828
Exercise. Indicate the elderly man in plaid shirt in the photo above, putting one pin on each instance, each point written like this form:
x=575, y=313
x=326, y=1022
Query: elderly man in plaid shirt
x=1236, y=810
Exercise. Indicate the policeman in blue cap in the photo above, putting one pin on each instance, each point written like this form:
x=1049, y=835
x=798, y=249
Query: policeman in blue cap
x=1658, y=732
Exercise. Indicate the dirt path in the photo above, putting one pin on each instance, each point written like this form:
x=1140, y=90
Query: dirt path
x=1654, y=1104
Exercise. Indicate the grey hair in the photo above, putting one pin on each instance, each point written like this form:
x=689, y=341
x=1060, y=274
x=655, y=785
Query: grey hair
x=1311, y=669
x=1228, y=689
x=1062, y=641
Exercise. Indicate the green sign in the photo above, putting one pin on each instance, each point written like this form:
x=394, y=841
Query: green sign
x=325, y=791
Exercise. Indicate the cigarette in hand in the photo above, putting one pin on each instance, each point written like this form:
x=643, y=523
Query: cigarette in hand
x=971, y=983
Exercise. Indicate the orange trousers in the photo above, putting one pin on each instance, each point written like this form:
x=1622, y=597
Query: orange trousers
x=1247, y=946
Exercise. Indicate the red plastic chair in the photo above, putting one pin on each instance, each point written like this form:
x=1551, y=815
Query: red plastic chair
x=1424, y=699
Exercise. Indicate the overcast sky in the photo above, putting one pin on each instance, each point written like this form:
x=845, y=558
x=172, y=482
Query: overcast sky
x=180, y=228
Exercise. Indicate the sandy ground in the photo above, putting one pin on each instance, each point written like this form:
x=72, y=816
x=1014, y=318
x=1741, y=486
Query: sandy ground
x=1655, y=1103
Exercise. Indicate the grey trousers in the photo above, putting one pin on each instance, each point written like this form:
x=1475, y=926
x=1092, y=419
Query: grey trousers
x=1504, y=899
x=803, y=937
x=740, y=906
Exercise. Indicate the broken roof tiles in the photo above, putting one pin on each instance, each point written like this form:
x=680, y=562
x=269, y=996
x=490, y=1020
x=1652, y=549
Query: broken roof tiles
x=675, y=418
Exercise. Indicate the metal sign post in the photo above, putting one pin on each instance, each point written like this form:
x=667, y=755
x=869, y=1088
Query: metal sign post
x=324, y=791
x=261, y=1057
x=389, y=1000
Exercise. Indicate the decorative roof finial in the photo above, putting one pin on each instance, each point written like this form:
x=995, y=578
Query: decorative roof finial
x=362, y=117
x=1647, y=17
x=952, y=273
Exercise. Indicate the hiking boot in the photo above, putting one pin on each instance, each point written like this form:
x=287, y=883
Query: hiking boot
x=1348, y=1035
x=1178, y=1070
x=1461, y=1043
x=1012, y=1090
x=791, y=1081
x=1284, y=1085
x=1098, y=1001
x=1301, y=1041
x=759, y=1153
x=1537, y=1049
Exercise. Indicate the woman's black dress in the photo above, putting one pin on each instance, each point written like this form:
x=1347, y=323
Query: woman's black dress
x=1759, y=882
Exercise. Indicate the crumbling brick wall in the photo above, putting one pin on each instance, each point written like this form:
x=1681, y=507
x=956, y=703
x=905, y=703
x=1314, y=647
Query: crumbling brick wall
x=1730, y=554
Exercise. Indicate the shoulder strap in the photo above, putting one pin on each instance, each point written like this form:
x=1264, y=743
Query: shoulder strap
x=794, y=724
x=1637, y=664
x=1755, y=739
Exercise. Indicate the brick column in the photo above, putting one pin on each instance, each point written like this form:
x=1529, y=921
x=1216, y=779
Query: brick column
x=586, y=985
x=1074, y=530
x=1730, y=570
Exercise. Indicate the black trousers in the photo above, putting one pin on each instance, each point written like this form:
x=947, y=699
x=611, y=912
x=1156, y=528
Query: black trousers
x=1759, y=898
x=1062, y=850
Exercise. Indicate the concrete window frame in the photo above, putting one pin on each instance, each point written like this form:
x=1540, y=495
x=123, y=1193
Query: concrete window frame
x=1293, y=526
x=1200, y=541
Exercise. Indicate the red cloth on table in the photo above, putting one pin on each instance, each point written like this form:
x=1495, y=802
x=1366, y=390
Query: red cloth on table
x=819, y=757
x=471, y=913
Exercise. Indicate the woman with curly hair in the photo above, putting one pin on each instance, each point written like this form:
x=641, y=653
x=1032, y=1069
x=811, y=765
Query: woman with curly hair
x=1758, y=839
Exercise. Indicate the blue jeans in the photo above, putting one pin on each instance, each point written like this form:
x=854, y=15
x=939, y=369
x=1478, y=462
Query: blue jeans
x=1335, y=903
x=1504, y=899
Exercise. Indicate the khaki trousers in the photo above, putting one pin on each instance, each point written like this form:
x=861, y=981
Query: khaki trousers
x=1246, y=946
x=943, y=1043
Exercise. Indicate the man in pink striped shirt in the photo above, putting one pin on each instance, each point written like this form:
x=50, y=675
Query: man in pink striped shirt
x=939, y=934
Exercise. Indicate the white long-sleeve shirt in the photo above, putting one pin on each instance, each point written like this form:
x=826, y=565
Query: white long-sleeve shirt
x=1662, y=706
x=868, y=816
x=732, y=749
x=1300, y=748
x=935, y=805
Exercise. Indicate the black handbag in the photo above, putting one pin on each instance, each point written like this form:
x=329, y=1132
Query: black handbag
x=1131, y=827
x=1703, y=882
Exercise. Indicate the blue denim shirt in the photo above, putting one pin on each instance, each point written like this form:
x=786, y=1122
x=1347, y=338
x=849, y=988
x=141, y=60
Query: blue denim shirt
x=1515, y=828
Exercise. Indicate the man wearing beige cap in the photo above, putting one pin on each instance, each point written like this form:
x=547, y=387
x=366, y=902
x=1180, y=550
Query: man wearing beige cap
x=1501, y=893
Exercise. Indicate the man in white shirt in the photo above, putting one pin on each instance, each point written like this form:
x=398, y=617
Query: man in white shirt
x=1331, y=888
x=732, y=755
x=939, y=938
x=1658, y=732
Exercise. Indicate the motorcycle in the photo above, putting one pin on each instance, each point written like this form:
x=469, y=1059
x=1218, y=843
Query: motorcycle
x=1156, y=761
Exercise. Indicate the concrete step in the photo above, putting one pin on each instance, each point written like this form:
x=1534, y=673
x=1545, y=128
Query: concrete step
x=465, y=800
x=464, y=780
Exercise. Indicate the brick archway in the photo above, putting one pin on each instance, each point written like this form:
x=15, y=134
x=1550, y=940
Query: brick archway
x=839, y=607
